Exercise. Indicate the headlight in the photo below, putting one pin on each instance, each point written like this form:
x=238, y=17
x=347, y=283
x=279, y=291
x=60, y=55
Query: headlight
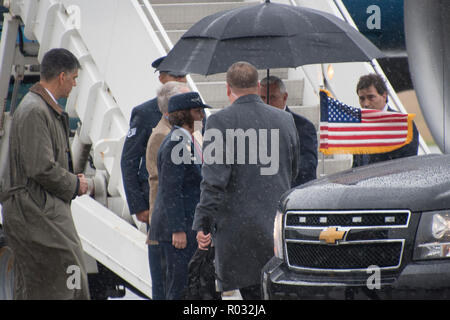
x=433, y=236
x=278, y=235
x=440, y=226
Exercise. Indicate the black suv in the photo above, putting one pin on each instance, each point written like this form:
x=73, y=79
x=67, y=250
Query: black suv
x=375, y=232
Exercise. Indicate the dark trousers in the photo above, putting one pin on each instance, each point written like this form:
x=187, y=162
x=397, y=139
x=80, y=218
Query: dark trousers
x=157, y=272
x=251, y=292
x=177, y=261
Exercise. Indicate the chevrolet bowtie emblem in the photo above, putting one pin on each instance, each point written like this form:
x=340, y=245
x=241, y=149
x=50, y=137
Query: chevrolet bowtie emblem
x=331, y=235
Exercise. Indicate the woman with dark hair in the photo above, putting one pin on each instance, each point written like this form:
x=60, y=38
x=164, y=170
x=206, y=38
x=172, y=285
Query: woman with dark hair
x=179, y=172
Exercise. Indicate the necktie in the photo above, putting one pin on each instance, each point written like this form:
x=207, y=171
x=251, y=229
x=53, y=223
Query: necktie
x=198, y=149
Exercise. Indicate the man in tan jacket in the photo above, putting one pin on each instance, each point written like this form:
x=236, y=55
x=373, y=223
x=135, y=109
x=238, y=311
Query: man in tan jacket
x=48, y=256
x=161, y=130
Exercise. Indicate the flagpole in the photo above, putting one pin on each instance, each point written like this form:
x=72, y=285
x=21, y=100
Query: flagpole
x=267, y=97
x=323, y=155
x=323, y=86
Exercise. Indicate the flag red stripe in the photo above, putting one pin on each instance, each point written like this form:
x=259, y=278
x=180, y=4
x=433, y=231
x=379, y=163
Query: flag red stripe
x=381, y=121
x=385, y=116
x=371, y=113
x=364, y=137
x=374, y=111
x=332, y=145
x=362, y=128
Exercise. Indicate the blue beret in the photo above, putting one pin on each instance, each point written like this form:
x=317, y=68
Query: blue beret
x=185, y=101
x=176, y=74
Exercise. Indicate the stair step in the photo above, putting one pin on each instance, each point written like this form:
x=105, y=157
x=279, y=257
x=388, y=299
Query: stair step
x=182, y=16
x=214, y=93
x=174, y=35
x=309, y=112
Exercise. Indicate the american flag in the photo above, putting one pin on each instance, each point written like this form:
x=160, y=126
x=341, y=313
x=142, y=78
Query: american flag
x=345, y=129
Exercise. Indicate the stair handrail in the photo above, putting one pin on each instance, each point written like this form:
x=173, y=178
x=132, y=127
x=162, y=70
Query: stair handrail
x=378, y=70
x=376, y=66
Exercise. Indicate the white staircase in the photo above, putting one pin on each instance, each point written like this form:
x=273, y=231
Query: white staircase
x=115, y=43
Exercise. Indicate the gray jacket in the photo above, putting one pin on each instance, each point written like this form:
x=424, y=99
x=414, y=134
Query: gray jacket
x=242, y=199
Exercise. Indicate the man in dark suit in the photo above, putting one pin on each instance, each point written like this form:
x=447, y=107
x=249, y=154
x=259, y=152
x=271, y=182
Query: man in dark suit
x=373, y=94
x=307, y=133
x=240, y=189
x=143, y=119
x=179, y=174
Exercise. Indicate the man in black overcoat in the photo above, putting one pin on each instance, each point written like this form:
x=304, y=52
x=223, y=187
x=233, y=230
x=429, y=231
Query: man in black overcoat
x=307, y=133
x=251, y=157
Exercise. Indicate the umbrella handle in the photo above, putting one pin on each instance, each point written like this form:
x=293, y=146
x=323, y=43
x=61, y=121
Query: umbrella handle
x=206, y=225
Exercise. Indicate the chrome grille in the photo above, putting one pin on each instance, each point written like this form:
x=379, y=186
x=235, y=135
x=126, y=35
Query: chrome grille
x=353, y=219
x=366, y=240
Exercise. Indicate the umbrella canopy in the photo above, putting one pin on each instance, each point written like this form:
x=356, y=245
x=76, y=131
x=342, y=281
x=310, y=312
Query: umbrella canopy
x=202, y=277
x=268, y=35
x=202, y=273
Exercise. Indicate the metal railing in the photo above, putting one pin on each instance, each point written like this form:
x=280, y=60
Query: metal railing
x=398, y=105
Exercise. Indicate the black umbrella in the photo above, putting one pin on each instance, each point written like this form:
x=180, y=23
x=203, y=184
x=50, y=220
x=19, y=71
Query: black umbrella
x=268, y=35
x=202, y=277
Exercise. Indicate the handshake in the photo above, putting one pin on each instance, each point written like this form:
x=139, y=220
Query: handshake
x=86, y=185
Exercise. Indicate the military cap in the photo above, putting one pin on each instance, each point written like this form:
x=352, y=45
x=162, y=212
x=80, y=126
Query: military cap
x=157, y=62
x=185, y=101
